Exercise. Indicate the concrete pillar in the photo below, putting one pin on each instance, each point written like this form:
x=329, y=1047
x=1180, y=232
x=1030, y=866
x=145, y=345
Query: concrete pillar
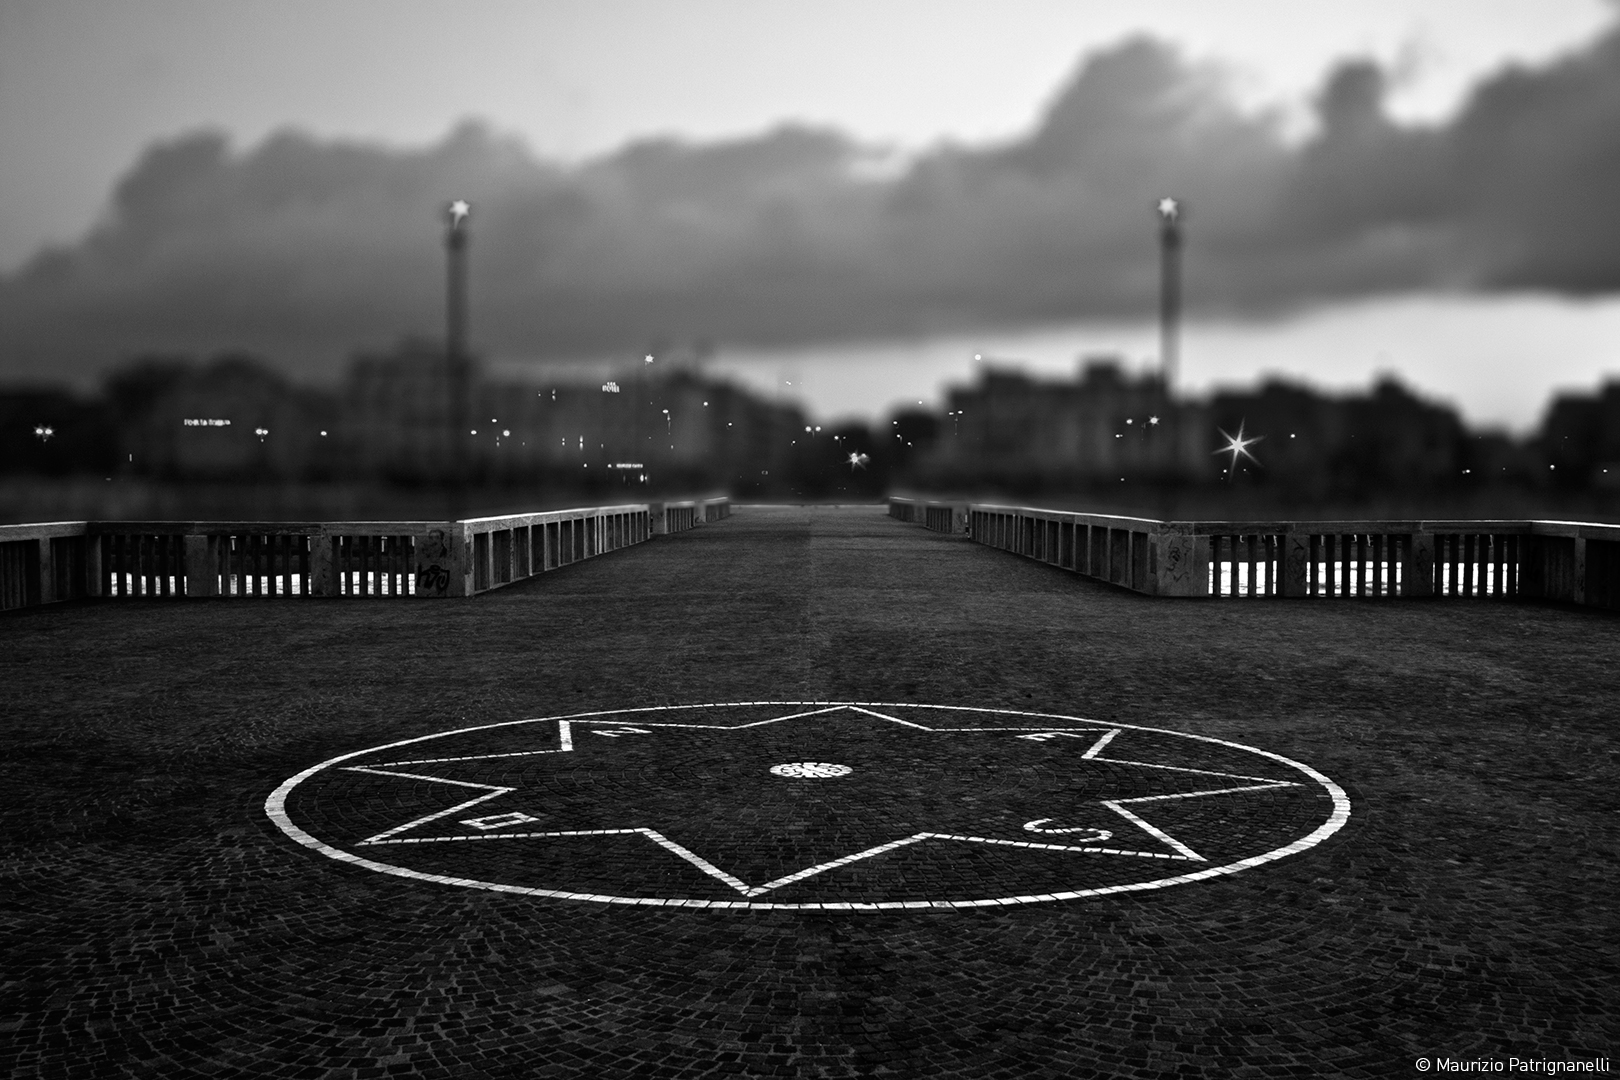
x=461, y=555
x=1174, y=564
x=1417, y=571
x=438, y=568
x=1119, y=557
x=1578, y=574
x=323, y=579
x=200, y=559
x=92, y=564
x=46, y=589
x=1296, y=557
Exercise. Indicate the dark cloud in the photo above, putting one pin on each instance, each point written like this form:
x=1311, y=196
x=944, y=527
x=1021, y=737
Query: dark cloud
x=306, y=249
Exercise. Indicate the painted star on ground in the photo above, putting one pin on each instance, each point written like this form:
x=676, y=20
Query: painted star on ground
x=827, y=803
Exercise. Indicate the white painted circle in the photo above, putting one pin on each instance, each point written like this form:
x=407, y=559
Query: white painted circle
x=810, y=770
x=1044, y=730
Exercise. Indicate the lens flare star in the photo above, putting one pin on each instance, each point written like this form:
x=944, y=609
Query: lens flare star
x=1169, y=209
x=857, y=461
x=459, y=211
x=1235, y=445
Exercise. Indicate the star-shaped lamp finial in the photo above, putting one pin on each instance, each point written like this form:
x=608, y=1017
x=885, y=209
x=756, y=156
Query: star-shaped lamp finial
x=459, y=211
x=1169, y=209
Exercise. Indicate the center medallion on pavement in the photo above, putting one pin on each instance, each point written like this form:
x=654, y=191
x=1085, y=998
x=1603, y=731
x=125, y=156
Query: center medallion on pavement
x=827, y=805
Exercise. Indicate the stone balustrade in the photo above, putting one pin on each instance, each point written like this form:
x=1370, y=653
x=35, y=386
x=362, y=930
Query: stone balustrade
x=938, y=516
x=1561, y=561
x=670, y=517
x=42, y=564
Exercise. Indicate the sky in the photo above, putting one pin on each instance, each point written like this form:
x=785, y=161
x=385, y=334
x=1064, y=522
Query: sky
x=858, y=180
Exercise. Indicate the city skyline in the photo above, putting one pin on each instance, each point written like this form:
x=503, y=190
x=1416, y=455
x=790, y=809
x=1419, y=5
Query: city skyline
x=1376, y=194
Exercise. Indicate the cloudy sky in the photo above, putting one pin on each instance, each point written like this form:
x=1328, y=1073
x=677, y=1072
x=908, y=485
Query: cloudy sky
x=823, y=187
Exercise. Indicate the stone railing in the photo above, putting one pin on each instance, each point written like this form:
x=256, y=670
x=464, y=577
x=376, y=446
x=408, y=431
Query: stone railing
x=672, y=517
x=938, y=516
x=41, y=564
x=1564, y=561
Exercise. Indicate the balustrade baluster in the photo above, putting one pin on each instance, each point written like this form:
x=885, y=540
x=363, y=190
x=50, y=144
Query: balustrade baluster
x=1380, y=546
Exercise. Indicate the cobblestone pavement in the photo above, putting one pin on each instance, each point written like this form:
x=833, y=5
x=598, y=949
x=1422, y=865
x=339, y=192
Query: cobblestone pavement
x=156, y=921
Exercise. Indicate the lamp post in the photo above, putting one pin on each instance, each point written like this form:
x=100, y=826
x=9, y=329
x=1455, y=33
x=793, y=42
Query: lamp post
x=455, y=245
x=1169, y=289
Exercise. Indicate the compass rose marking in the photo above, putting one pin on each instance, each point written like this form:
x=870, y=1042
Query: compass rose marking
x=1096, y=747
x=507, y=836
x=493, y=792
x=1099, y=837
x=835, y=863
x=1269, y=780
x=1218, y=791
x=1159, y=834
x=1092, y=753
x=885, y=716
x=1059, y=847
x=500, y=821
x=466, y=757
x=276, y=808
x=737, y=727
x=1117, y=806
x=565, y=738
x=696, y=860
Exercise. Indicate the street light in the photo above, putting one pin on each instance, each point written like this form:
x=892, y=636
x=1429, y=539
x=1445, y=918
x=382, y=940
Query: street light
x=455, y=334
x=1169, y=287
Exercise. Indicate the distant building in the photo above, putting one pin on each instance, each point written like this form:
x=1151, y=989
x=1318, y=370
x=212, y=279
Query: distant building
x=1580, y=439
x=664, y=427
x=55, y=433
x=234, y=418
x=1101, y=428
x=1317, y=446
x=396, y=414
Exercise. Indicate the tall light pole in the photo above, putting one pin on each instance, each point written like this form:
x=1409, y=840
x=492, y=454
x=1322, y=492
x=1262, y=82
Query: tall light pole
x=1169, y=289
x=455, y=346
